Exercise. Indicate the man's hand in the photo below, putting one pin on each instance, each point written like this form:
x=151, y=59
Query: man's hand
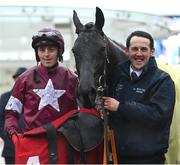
x=111, y=104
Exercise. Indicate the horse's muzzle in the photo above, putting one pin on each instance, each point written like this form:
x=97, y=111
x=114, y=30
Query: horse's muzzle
x=86, y=98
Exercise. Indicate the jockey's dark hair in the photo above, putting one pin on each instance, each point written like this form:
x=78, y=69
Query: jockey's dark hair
x=140, y=34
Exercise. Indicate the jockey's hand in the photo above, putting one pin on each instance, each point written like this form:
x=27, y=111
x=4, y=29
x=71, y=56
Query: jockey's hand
x=14, y=138
x=111, y=104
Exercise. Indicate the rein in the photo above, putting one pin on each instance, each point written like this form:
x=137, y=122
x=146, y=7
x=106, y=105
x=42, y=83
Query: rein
x=102, y=90
x=102, y=87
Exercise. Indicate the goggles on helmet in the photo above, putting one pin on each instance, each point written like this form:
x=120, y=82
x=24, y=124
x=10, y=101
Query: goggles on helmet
x=45, y=43
x=44, y=34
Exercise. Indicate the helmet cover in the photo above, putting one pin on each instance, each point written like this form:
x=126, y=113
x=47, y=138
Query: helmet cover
x=48, y=36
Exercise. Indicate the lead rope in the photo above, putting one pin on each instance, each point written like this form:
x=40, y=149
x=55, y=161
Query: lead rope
x=103, y=112
x=102, y=90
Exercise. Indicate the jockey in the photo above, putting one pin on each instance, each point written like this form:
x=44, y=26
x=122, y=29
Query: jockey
x=44, y=92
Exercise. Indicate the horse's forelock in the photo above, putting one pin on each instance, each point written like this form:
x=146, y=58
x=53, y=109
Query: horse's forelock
x=89, y=25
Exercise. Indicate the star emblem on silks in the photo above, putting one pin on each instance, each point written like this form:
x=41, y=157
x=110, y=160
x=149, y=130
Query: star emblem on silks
x=49, y=96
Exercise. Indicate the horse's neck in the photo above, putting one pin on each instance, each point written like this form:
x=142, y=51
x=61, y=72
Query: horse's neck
x=116, y=52
x=116, y=55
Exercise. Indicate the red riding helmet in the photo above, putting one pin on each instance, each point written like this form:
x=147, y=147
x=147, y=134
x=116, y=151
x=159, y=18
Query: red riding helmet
x=48, y=36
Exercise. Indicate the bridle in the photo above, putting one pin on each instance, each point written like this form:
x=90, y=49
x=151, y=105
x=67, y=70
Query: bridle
x=102, y=87
x=102, y=90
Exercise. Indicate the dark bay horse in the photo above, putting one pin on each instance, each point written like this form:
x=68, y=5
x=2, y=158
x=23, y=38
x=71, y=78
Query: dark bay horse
x=96, y=55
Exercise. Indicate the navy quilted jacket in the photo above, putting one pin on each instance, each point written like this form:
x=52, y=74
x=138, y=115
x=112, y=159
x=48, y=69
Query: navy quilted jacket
x=142, y=122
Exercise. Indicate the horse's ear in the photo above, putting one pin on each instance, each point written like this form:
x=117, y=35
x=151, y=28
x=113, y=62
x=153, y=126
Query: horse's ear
x=77, y=22
x=99, y=19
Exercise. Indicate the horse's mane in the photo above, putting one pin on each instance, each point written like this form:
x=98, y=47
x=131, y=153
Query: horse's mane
x=119, y=44
x=117, y=50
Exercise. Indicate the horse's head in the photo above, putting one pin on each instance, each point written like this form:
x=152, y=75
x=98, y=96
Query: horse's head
x=91, y=56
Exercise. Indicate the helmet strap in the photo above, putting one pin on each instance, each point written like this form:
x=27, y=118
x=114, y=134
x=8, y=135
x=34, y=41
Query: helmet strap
x=60, y=55
x=61, y=58
x=37, y=57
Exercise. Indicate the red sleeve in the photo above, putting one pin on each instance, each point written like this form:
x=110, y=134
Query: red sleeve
x=11, y=122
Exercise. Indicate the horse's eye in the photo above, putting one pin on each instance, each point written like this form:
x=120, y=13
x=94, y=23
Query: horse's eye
x=103, y=49
x=72, y=50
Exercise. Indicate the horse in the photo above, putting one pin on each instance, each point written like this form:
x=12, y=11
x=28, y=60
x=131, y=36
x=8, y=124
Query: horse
x=96, y=56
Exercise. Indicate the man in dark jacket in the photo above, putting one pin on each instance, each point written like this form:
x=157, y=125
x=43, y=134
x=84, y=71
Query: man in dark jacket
x=8, y=149
x=141, y=104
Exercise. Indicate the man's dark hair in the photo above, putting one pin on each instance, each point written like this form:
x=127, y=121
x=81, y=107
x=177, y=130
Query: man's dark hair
x=140, y=34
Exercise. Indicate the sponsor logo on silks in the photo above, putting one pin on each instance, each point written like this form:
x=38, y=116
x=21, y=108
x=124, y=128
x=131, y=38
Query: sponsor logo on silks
x=33, y=160
x=139, y=90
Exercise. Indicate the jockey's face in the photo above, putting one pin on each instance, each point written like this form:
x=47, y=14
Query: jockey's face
x=139, y=52
x=48, y=55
